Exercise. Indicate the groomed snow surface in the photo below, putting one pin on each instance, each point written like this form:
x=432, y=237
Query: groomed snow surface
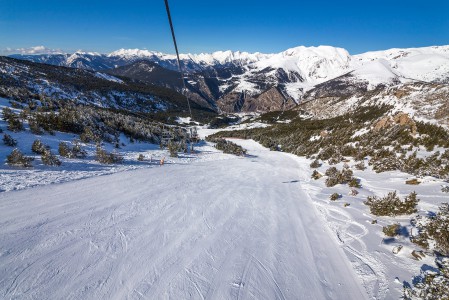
x=240, y=228
x=222, y=227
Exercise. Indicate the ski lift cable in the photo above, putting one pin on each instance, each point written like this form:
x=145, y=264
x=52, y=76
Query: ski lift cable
x=167, y=7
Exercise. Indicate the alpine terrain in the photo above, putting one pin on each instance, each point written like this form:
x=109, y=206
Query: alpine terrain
x=305, y=174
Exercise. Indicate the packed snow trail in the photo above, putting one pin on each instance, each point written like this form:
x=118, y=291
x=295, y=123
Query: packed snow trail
x=240, y=228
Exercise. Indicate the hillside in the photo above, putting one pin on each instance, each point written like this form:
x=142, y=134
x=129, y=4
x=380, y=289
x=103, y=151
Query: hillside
x=380, y=178
x=22, y=80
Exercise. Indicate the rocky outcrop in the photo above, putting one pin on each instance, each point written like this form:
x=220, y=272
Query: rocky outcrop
x=270, y=100
x=401, y=119
x=232, y=102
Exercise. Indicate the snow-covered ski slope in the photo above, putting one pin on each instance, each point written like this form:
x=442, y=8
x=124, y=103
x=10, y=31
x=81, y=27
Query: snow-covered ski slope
x=240, y=228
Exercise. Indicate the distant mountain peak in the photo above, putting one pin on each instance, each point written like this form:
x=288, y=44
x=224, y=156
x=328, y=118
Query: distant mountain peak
x=134, y=53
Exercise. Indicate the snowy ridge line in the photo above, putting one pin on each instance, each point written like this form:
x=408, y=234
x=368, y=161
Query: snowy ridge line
x=223, y=57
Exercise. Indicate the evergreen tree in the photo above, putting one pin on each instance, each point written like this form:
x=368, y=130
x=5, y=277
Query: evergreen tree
x=9, y=141
x=16, y=158
x=50, y=159
x=38, y=147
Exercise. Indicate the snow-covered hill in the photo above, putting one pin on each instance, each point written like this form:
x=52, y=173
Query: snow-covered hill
x=23, y=80
x=427, y=64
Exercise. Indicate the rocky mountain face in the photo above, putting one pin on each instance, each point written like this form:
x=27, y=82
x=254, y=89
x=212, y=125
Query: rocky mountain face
x=326, y=80
x=270, y=100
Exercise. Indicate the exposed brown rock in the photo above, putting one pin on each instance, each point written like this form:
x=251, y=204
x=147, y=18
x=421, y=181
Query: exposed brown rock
x=401, y=93
x=231, y=102
x=401, y=118
x=383, y=123
x=270, y=100
x=418, y=255
x=404, y=119
x=413, y=181
x=324, y=133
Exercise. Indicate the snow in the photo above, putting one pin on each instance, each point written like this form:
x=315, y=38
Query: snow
x=108, y=77
x=313, y=63
x=246, y=86
x=12, y=178
x=425, y=64
x=296, y=89
x=183, y=231
x=80, y=54
x=224, y=57
x=181, y=120
x=314, y=138
x=218, y=57
x=376, y=72
x=37, y=83
x=197, y=228
x=203, y=132
x=360, y=132
x=369, y=251
x=133, y=53
x=425, y=67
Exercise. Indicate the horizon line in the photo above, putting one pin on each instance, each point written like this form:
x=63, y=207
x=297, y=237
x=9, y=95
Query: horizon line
x=42, y=50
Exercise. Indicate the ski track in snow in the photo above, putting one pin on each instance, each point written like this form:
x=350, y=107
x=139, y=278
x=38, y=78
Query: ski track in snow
x=241, y=228
x=349, y=234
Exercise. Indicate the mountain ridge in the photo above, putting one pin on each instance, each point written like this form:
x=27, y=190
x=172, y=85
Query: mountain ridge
x=233, y=81
x=311, y=65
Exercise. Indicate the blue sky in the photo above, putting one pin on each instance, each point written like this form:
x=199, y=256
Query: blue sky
x=205, y=26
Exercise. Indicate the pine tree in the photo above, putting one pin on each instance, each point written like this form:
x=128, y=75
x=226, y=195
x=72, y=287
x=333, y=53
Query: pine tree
x=38, y=147
x=77, y=151
x=50, y=159
x=105, y=157
x=16, y=158
x=64, y=150
x=9, y=141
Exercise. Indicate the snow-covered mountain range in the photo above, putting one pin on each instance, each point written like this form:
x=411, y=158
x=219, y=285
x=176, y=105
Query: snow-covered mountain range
x=241, y=81
x=310, y=65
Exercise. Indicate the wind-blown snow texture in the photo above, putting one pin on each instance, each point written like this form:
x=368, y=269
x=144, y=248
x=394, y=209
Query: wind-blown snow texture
x=240, y=228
